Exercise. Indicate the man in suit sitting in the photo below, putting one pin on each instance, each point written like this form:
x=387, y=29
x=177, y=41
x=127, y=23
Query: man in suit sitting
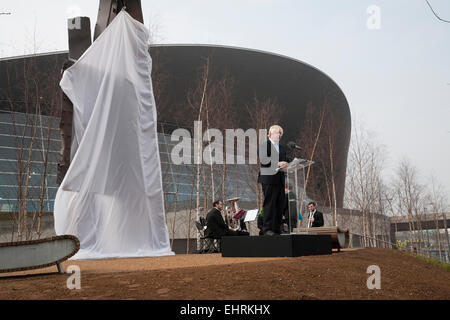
x=315, y=217
x=216, y=227
x=272, y=180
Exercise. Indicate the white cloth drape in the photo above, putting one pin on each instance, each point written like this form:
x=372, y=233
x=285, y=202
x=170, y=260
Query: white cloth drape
x=111, y=197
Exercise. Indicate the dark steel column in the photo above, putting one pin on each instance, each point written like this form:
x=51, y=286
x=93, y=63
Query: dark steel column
x=109, y=9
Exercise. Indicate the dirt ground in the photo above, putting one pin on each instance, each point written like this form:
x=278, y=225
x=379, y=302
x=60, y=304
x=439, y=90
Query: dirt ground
x=210, y=277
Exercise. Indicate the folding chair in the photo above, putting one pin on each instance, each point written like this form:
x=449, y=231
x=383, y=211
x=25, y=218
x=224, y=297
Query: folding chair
x=203, y=221
x=207, y=244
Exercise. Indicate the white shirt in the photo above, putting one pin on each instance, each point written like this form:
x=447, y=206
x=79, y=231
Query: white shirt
x=276, y=145
x=311, y=215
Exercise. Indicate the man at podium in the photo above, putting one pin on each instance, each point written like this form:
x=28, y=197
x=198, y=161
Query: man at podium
x=272, y=157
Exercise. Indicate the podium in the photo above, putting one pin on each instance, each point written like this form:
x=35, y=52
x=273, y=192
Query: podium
x=296, y=196
x=289, y=244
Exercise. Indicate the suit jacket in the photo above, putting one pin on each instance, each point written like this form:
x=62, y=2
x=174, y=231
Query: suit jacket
x=216, y=227
x=318, y=219
x=275, y=178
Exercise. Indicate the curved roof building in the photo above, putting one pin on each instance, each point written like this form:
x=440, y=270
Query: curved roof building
x=307, y=103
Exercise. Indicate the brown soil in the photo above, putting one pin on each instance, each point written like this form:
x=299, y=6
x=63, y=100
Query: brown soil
x=211, y=277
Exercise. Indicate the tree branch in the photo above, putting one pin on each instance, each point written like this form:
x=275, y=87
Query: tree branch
x=439, y=18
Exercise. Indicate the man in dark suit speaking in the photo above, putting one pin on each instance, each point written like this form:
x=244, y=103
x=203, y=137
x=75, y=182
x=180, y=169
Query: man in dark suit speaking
x=272, y=156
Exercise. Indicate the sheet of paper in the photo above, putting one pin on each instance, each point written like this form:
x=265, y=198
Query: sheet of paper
x=251, y=215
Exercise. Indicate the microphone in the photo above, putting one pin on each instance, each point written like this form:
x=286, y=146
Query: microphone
x=292, y=145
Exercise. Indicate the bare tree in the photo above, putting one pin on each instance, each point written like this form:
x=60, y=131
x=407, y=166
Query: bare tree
x=160, y=80
x=364, y=182
x=263, y=113
x=409, y=191
x=435, y=14
x=196, y=100
x=32, y=142
x=155, y=28
x=208, y=99
x=438, y=201
x=312, y=129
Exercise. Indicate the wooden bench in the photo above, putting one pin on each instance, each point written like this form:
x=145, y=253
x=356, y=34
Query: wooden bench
x=340, y=238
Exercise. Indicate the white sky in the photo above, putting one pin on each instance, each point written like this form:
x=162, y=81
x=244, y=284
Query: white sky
x=396, y=78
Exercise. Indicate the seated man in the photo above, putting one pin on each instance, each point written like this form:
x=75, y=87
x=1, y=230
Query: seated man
x=315, y=217
x=216, y=227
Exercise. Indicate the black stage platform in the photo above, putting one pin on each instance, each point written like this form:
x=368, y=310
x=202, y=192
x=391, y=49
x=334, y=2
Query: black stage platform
x=293, y=245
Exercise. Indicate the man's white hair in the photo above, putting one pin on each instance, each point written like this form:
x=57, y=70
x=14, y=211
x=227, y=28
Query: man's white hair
x=275, y=128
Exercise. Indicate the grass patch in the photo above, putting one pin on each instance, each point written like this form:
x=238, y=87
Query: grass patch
x=439, y=263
